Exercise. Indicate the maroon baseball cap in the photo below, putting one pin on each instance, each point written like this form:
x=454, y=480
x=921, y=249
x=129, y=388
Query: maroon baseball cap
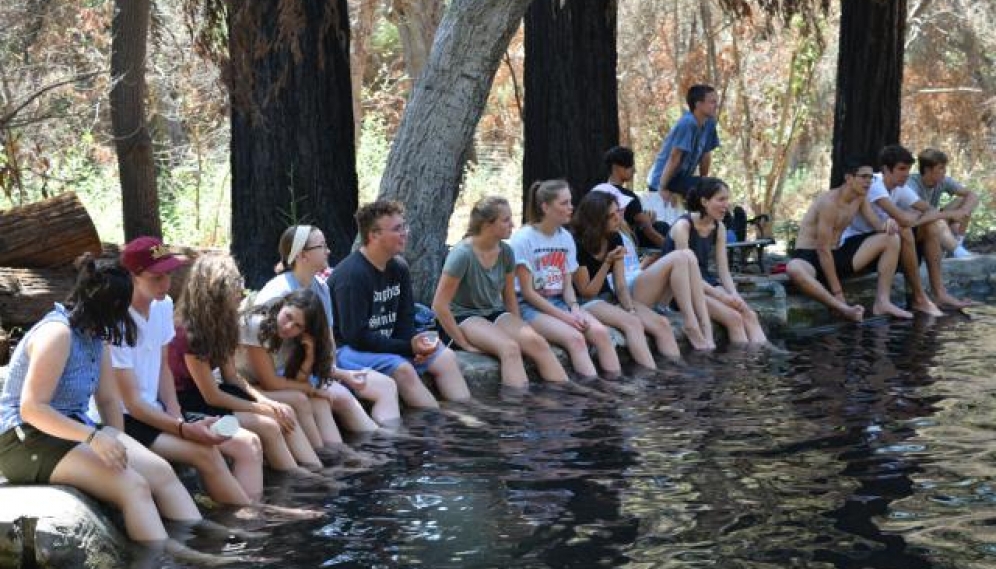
x=148, y=254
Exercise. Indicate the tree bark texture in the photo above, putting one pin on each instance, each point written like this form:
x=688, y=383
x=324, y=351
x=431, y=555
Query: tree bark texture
x=139, y=197
x=47, y=233
x=425, y=164
x=27, y=294
x=571, y=110
x=293, y=152
x=869, y=81
x=417, y=22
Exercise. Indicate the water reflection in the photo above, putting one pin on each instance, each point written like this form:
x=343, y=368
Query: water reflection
x=861, y=446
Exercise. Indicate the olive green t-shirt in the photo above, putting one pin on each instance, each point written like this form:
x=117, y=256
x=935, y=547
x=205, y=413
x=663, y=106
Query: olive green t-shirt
x=480, y=290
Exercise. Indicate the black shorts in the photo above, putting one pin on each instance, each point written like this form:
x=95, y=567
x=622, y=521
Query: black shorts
x=192, y=402
x=843, y=258
x=29, y=456
x=141, y=432
x=490, y=317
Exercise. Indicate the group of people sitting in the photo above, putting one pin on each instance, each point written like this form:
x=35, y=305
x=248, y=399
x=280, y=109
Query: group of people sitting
x=883, y=222
x=109, y=388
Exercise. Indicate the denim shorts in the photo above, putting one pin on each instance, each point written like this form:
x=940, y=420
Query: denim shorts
x=529, y=312
x=352, y=360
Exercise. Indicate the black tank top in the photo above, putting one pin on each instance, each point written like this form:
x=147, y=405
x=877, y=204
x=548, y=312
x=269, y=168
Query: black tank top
x=701, y=246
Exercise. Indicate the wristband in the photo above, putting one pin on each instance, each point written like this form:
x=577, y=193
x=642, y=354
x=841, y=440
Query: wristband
x=179, y=428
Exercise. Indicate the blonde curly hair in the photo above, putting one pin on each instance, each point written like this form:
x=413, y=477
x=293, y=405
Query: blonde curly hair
x=209, y=308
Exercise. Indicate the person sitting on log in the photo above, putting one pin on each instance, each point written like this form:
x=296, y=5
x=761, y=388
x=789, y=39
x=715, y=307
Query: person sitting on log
x=475, y=299
x=701, y=231
x=47, y=437
x=153, y=415
x=818, y=264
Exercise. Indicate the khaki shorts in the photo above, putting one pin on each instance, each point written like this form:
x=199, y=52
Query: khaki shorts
x=29, y=456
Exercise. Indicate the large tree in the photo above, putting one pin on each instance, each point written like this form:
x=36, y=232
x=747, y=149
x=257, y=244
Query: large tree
x=869, y=80
x=571, y=107
x=139, y=198
x=425, y=164
x=293, y=154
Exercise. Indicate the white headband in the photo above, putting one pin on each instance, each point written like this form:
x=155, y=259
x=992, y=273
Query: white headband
x=300, y=238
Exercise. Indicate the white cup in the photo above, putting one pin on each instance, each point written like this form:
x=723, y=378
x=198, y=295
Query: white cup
x=430, y=337
x=226, y=426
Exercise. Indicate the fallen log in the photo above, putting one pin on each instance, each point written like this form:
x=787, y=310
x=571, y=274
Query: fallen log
x=48, y=233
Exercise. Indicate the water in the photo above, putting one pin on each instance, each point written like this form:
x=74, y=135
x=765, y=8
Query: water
x=862, y=447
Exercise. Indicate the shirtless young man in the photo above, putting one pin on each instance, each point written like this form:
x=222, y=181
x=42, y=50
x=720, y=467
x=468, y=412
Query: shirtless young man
x=818, y=264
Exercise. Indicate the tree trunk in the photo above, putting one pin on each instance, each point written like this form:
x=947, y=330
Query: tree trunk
x=571, y=110
x=869, y=80
x=139, y=198
x=365, y=12
x=417, y=22
x=48, y=233
x=424, y=166
x=293, y=153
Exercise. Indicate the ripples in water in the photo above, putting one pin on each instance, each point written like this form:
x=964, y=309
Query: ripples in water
x=858, y=447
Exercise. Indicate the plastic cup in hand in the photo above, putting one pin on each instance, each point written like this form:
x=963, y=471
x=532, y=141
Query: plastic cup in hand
x=430, y=338
x=226, y=426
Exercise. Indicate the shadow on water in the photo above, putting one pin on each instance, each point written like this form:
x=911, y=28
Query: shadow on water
x=859, y=446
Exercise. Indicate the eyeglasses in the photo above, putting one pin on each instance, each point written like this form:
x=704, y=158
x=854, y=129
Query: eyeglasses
x=864, y=176
x=319, y=246
x=400, y=229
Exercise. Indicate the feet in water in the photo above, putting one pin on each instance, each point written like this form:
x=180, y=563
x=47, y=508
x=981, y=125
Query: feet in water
x=697, y=339
x=948, y=302
x=889, y=309
x=927, y=307
x=852, y=312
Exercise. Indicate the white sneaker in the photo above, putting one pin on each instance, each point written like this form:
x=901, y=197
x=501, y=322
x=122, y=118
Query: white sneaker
x=962, y=253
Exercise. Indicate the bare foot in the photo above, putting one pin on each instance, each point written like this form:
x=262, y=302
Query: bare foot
x=927, y=307
x=853, y=312
x=891, y=310
x=948, y=302
x=696, y=339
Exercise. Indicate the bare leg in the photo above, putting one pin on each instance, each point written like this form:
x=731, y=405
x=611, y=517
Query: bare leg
x=911, y=270
x=670, y=273
x=534, y=346
x=449, y=379
x=321, y=410
x=350, y=412
x=930, y=237
x=804, y=276
x=127, y=490
x=172, y=498
x=305, y=415
x=383, y=391
x=218, y=480
x=495, y=341
x=245, y=450
x=886, y=249
x=598, y=335
x=275, y=448
x=729, y=318
x=659, y=328
x=569, y=339
x=411, y=389
x=630, y=326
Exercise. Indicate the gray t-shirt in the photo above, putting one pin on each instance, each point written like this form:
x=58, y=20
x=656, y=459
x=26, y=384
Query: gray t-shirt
x=285, y=283
x=933, y=195
x=480, y=290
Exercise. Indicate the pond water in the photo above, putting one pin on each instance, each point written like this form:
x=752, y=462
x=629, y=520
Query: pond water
x=868, y=446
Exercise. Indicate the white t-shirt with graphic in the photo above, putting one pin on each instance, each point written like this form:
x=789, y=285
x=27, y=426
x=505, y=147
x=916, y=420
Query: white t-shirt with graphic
x=551, y=259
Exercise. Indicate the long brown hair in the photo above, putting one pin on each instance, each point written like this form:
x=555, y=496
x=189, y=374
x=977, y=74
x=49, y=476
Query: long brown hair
x=315, y=324
x=208, y=308
x=590, y=220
